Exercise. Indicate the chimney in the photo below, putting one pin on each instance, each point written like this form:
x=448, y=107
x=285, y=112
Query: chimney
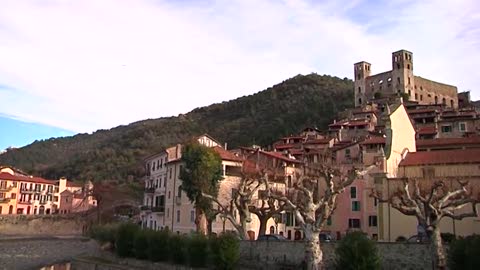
x=225, y=146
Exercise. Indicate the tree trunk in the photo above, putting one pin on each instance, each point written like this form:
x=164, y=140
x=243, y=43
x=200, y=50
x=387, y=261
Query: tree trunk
x=263, y=226
x=201, y=221
x=437, y=250
x=313, y=253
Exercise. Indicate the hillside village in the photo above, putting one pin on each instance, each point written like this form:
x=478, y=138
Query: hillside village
x=404, y=130
x=411, y=128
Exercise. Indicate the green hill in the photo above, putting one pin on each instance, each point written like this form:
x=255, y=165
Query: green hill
x=283, y=109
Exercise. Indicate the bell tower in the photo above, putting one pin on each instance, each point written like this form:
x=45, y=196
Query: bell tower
x=402, y=73
x=361, y=72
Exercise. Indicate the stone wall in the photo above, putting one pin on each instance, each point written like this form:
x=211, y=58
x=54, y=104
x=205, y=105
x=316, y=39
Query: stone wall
x=290, y=254
x=41, y=225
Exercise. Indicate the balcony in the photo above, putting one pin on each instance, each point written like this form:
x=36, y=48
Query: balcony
x=4, y=200
x=6, y=189
x=25, y=202
x=150, y=190
x=28, y=191
x=145, y=208
x=158, y=209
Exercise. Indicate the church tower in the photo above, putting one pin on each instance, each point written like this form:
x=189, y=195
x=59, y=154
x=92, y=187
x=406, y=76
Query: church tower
x=361, y=72
x=402, y=73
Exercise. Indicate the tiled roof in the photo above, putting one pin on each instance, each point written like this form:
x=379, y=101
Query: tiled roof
x=226, y=155
x=279, y=155
x=7, y=176
x=318, y=141
x=448, y=141
x=427, y=130
x=71, y=184
x=441, y=157
x=374, y=140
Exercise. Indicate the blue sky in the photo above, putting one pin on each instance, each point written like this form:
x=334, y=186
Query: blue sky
x=88, y=65
x=26, y=132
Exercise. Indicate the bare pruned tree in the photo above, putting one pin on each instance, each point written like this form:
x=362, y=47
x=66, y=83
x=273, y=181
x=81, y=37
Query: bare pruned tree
x=313, y=202
x=430, y=201
x=240, y=202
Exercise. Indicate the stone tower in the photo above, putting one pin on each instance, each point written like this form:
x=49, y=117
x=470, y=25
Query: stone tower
x=402, y=73
x=361, y=72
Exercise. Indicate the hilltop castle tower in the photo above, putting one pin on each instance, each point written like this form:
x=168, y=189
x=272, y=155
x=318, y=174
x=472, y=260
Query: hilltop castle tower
x=400, y=81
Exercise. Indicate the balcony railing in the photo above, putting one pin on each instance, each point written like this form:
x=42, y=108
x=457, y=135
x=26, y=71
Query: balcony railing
x=158, y=209
x=28, y=191
x=145, y=208
x=4, y=200
x=150, y=190
x=6, y=189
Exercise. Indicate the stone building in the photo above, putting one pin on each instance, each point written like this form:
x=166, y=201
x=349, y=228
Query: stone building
x=400, y=81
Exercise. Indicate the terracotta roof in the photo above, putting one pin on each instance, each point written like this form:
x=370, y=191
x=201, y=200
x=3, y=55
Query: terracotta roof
x=427, y=130
x=318, y=141
x=226, y=155
x=279, y=155
x=374, y=140
x=71, y=184
x=421, y=111
x=21, y=178
x=285, y=146
x=448, y=141
x=441, y=157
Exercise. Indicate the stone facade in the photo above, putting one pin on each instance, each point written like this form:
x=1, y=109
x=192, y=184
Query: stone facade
x=400, y=81
x=42, y=225
x=289, y=255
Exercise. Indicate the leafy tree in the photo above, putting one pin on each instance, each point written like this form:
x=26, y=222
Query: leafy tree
x=201, y=173
x=226, y=251
x=357, y=252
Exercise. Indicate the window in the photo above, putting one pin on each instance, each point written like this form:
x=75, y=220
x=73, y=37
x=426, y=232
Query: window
x=372, y=221
x=451, y=103
x=398, y=80
x=354, y=223
x=408, y=67
x=355, y=206
x=168, y=212
x=178, y=216
x=359, y=89
x=444, y=101
x=462, y=126
x=446, y=129
x=421, y=97
x=169, y=194
x=375, y=201
x=329, y=221
x=360, y=101
x=408, y=80
x=353, y=192
x=179, y=192
x=192, y=216
x=170, y=173
x=13, y=195
x=416, y=96
x=165, y=181
x=14, y=183
x=428, y=172
x=347, y=153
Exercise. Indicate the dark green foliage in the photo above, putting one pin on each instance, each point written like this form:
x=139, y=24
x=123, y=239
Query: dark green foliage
x=262, y=118
x=401, y=239
x=225, y=251
x=356, y=252
x=197, y=250
x=140, y=244
x=464, y=253
x=178, y=249
x=159, y=246
x=447, y=237
x=125, y=239
x=201, y=172
x=104, y=233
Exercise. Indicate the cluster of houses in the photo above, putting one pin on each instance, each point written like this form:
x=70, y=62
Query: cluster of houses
x=24, y=194
x=424, y=131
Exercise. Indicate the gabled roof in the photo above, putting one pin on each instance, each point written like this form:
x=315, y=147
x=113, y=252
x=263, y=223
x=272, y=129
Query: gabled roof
x=448, y=141
x=441, y=157
x=374, y=140
x=21, y=178
x=227, y=155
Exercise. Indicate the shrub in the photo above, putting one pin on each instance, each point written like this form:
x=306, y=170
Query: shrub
x=465, y=253
x=140, y=244
x=447, y=237
x=177, y=249
x=225, y=251
x=158, y=246
x=356, y=251
x=197, y=247
x=401, y=239
x=104, y=233
x=125, y=238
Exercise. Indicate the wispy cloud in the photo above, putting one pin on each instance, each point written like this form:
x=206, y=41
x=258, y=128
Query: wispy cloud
x=84, y=65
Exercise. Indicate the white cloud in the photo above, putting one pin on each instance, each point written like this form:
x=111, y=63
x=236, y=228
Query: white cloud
x=84, y=65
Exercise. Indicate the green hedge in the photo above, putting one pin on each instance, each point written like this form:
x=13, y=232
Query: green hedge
x=356, y=252
x=195, y=250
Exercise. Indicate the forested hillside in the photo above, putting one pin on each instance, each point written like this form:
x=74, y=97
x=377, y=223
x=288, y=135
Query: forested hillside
x=283, y=109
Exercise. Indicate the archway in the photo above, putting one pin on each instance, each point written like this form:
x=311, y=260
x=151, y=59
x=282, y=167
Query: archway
x=272, y=230
x=47, y=211
x=28, y=210
x=298, y=235
x=42, y=210
x=251, y=235
x=10, y=209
